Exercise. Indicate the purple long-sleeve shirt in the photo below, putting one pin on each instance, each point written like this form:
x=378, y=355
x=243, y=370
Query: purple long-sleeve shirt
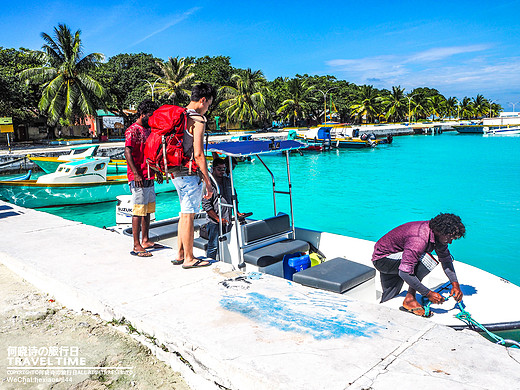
x=413, y=239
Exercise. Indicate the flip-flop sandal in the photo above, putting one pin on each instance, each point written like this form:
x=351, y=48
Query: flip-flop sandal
x=141, y=253
x=156, y=246
x=413, y=311
x=177, y=262
x=197, y=264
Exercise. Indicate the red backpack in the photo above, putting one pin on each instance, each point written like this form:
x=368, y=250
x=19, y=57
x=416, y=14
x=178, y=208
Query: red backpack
x=163, y=149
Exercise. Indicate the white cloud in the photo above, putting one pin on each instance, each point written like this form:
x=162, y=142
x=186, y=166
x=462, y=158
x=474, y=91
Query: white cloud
x=177, y=20
x=441, y=53
x=438, y=68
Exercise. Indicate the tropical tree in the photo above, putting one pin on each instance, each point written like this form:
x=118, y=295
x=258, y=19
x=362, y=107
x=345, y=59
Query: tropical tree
x=437, y=106
x=394, y=104
x=366, y=103
x=420, y=104
x=69, y=91
x=480, y=106
x=175, y=78
x=17, y=99
x=452, y=105
x=245, y=101
x=124, y=79
x=466, y=108
x=297, y=105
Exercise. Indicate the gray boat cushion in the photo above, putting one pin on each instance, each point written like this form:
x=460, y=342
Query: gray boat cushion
x=200, y=243
x=337, y=275
x=268, y=227
x=270, y=254
x=165, y=229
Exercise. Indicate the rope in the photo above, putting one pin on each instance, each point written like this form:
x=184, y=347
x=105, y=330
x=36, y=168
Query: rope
x=465, y=316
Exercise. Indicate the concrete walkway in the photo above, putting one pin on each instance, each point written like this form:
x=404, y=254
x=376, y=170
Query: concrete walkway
x=256, y=333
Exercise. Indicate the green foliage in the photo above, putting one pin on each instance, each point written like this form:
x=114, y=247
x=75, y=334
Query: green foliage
x=17, y=99
x=124, y=77
x=296, y=106
x=174, y=80
x=65, y=86
x=245, y=100
x=69, y=90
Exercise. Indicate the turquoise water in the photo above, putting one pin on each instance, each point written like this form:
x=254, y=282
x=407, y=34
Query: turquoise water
x=365, y=193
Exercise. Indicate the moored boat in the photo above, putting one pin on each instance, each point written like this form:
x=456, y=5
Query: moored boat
x=50, y=164
x=502, y=130
x=265, y=246
x=322, y=135
x=75, y=182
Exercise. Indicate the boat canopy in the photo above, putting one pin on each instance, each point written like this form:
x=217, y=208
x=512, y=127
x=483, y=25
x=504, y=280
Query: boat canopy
x=250, y=148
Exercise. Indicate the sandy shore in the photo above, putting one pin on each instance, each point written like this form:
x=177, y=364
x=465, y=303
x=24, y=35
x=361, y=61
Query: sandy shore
x=65, y=349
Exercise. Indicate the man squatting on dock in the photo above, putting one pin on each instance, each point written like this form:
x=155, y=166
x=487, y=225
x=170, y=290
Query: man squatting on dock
x=141, y=179
x=404, y=255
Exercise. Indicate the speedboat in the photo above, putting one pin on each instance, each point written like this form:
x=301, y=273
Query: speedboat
x=50, y=164
x=343, y=263
x=502, y=130
x=75, y=182
x=322, y=135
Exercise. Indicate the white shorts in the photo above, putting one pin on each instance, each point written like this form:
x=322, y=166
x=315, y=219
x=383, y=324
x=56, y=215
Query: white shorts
x=190, y=190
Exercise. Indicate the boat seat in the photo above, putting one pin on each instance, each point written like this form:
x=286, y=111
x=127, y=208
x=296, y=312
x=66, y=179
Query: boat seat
x=166, y=229
x=266, y=228
x=273, y=253
x=338, y=275
x=200, y=243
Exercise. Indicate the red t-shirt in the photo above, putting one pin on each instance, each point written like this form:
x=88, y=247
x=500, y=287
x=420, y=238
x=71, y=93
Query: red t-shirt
x=135, y=137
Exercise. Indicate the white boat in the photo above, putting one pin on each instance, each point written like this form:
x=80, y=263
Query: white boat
x=502, y=130
x=76, y=182
x=265, y=245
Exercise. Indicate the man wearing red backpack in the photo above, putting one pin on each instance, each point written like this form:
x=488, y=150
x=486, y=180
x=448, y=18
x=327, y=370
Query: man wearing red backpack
x=189, y=186
x=140, y=179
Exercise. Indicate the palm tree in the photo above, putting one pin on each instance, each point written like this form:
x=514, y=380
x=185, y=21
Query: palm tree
x=175, y=80
x=451, y=107
x=480, y=106
x=437, y=106
x=69, y=92
x=466, y=108
x=365, y=103
x=245, y=101
x=395, y=104
x=420, y=106
x=297, y=104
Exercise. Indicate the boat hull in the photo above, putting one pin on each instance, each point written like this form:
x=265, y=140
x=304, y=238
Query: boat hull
x=50, y=164
x=28, y=193
x=343, y=143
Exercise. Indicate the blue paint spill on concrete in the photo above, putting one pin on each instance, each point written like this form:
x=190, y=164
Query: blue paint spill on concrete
x=300, y=314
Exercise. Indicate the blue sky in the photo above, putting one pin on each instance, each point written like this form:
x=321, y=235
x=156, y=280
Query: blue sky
x=460, y=48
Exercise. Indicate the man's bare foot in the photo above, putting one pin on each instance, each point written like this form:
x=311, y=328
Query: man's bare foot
x=195, y=263
x=411, y=304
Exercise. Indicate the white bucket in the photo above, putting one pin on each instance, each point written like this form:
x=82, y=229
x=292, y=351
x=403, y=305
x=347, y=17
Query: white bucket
x=124, y=210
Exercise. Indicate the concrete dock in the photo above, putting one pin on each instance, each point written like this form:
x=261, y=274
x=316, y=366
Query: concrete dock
x=221, y=330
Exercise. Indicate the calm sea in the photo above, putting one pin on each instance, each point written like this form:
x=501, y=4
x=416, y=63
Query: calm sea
x=365, y=193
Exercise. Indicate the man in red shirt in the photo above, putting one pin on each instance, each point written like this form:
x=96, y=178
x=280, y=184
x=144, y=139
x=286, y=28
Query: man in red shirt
x=140, y=178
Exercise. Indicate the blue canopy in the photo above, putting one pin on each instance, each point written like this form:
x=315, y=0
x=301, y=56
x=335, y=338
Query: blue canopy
x=248, y=148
